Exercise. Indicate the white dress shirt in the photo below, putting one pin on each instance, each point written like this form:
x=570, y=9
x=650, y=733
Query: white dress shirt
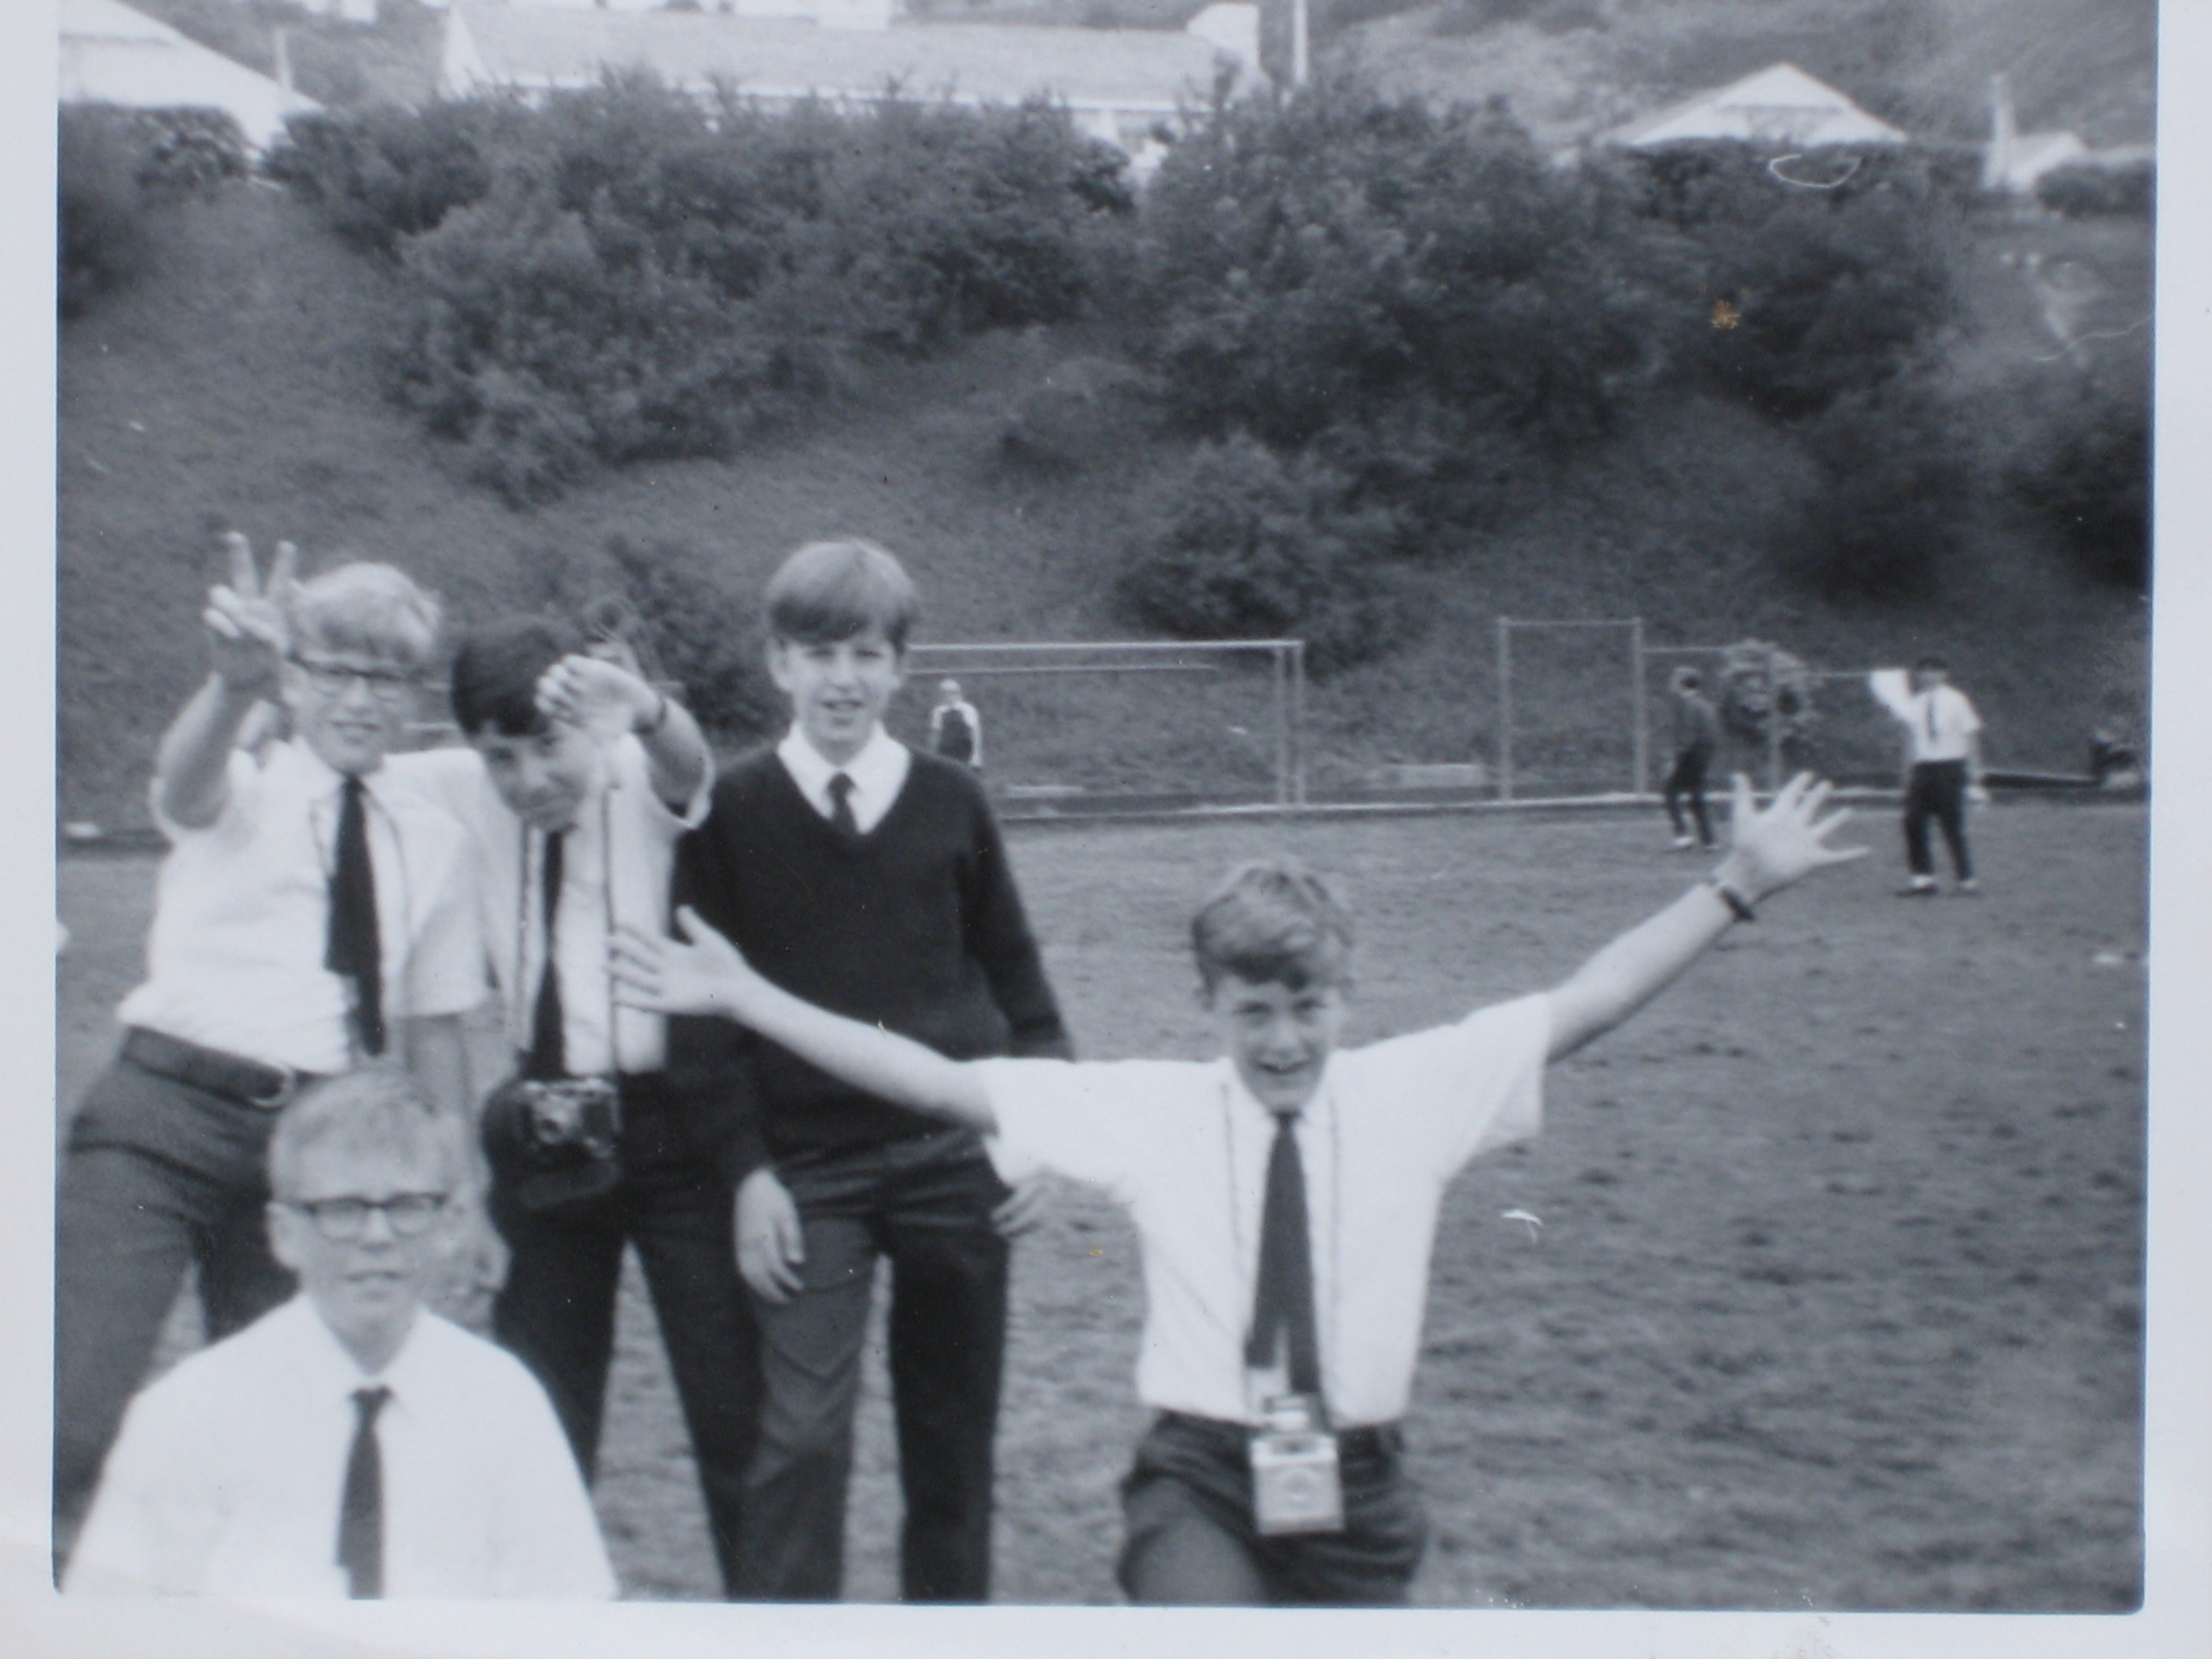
x=878, y=773
x=241, y=916
x=1184, y=1146
x=227, y=1476
x=623, y=830
x=1943, y=723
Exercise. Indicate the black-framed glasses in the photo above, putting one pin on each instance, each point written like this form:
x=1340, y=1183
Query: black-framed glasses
x=335, y=679
x=342, y=1220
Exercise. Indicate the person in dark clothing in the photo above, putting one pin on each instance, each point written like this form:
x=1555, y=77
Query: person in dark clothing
x=873, y=880
x=1697, y=733
x=956, y=730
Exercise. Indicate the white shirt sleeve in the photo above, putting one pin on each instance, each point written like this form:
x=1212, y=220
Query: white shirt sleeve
x=241, y=787
x=1463, y=1089
x=155, y=1517
x=1092, y=1120
x=548, y=1540
x=449, y=971
x=633, y=770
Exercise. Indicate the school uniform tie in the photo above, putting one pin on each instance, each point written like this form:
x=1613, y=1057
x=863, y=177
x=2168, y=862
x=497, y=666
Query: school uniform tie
x=841, y=804
x=549, y=1047
x=361, y=1506
x=1931, y=721
x=1283, y=1306
x=354, y=951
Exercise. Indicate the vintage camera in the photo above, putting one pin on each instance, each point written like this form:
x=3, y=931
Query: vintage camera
x=583, y=1112
x=1296, y=1486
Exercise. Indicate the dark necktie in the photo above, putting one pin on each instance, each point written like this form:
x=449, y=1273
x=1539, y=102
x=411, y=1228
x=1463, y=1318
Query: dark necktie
x=361, y=1508
x=549, y=1048
x=1931, y=719
x=1283, y=1308
x=841, y=804
x=354, y=952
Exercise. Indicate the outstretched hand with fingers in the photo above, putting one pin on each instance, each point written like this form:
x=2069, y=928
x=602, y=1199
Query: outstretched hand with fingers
x=1773, y=847
x=248, y=636
x=703, y=973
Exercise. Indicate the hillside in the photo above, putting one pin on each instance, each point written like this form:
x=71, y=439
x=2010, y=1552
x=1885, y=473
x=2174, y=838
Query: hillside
x=1571, y=68
x=238, y=386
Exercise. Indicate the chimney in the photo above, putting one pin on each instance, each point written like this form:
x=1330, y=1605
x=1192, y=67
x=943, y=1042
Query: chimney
x=2004, y=137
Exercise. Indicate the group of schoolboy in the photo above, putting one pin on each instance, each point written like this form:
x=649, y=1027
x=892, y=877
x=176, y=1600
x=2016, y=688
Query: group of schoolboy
x=847, y=1050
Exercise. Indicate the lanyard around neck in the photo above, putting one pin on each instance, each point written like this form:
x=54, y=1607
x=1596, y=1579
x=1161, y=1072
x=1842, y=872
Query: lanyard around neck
x=523, y=886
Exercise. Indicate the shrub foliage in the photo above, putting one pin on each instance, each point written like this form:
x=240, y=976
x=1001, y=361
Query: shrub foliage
x=113, y=166
x=629, y=271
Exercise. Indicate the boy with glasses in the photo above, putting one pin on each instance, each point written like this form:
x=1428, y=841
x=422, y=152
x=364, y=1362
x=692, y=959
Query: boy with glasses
x=308, y=918
x=352, y=1443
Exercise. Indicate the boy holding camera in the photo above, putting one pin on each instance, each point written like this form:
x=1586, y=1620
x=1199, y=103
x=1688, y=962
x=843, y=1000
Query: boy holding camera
x=310, y=916
x=871, y=879
x=576, y=782
x=1286, y=1197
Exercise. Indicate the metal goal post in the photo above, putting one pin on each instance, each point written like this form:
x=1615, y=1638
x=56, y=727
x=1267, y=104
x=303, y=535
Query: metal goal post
x=1070, y=721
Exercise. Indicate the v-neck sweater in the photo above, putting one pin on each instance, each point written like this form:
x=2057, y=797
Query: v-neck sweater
x=916, y=926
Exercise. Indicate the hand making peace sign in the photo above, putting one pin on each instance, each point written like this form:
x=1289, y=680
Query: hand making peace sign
x=247, y=639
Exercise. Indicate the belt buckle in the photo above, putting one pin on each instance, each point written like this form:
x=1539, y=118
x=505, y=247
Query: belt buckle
x=287, y=1090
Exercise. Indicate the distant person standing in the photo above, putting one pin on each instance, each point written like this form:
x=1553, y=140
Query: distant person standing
x=1697, y=735
x=1943, y=769
x=956, y=730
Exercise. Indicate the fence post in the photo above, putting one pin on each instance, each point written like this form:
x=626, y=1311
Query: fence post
x=1504, y=708
x=1298, y=724
x=1636, y=702
x=1279, y=694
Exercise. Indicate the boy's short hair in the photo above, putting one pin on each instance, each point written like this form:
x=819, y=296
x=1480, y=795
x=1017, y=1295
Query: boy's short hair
x=827, y=591
x=495, y=672
x=1272, y=920
x=376, y=1110
x=374, y=609
x=1931, y=665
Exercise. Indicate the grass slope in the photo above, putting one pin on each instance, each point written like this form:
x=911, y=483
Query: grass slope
x=236, y=386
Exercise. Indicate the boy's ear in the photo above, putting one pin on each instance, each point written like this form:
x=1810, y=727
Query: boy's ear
x=283, y=1241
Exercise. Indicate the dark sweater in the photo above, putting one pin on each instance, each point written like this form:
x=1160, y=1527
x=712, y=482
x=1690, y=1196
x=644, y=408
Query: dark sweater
x=916, y=926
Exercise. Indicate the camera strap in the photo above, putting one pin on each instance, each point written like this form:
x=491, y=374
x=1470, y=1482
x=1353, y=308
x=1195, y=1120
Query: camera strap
x=546, y=1053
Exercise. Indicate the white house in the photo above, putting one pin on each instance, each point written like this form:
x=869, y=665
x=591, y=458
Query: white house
x=110, y=54
x=1779, y=107
x=1117, y=84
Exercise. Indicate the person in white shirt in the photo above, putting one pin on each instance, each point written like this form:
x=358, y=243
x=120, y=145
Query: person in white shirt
x=1284, y=1198
x=308, y=917
x=351, y=1443
x=1943, y=772
x=956, y=730
x=577, y=779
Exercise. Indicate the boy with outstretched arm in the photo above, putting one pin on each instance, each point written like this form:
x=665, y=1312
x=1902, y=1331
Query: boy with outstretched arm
x=870, y=878
x=1284, y=1197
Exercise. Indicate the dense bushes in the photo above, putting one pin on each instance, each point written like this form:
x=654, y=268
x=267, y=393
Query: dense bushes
x=1262, y=547
x=2085, y=465
x=1336, y=266
x=628, y=272
x=2088, y=190
x=1897, y=481
x=113, y=166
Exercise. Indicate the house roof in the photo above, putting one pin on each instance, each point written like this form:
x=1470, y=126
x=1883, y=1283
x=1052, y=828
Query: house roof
x=983, y=62
x=111, y=54
x=1779, y=104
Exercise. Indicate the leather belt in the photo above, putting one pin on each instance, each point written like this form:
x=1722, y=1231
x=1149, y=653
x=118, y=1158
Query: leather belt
x=250, y=1082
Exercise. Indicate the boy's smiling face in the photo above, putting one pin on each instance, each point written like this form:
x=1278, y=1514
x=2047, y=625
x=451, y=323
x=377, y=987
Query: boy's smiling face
x=1279, y=1038
x=838, y=690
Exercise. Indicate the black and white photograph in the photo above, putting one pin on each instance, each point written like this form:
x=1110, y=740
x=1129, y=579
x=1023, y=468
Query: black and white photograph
x=905, y=826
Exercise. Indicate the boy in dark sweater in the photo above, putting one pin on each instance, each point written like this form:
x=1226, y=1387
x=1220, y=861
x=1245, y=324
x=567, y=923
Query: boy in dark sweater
x=872, y=880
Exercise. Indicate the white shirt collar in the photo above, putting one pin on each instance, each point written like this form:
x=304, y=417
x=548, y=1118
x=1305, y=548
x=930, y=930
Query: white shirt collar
x=330, y=1363
x=877, y=771
x=318, y=775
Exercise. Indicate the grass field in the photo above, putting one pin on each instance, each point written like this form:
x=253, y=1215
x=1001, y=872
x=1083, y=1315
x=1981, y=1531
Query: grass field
x=1836, y=1302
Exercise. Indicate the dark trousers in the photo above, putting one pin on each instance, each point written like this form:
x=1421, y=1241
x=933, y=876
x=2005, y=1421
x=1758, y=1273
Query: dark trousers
x=556, y=1310
x=157, y=1173
x=1191, y=1542
x=1937, y=790
x=925, y=1203
x=1687, y=781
